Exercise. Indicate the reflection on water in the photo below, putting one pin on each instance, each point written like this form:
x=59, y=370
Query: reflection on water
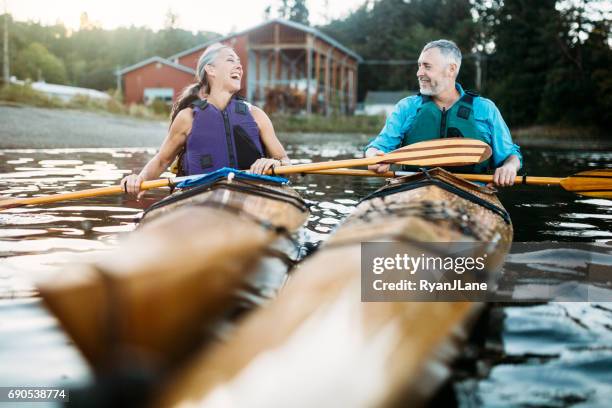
x=44, y=358
x=566, y=347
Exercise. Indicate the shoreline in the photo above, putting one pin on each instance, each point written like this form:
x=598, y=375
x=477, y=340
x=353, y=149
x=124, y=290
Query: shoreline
x=25, y=126
x=33, y=127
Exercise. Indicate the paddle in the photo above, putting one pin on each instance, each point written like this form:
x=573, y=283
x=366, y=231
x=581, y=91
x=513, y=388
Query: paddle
x=591, y=183
x=442, y=152
x=73, y=195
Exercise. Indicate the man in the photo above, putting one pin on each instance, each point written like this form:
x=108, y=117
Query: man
x=443, y=109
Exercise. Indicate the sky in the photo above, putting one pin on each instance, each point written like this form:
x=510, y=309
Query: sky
x=218, y=16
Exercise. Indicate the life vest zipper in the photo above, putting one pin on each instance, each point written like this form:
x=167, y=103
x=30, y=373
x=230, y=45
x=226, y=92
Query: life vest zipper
x=228, y=138
x=443, y=123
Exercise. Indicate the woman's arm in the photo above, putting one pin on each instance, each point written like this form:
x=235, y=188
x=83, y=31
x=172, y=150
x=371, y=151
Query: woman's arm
x=171, y=146
x=273, y=147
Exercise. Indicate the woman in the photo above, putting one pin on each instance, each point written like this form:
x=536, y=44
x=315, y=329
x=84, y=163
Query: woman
x=212, y=127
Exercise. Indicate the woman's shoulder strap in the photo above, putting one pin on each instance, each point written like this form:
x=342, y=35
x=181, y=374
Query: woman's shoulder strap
x=199, y=103
x=242, y=106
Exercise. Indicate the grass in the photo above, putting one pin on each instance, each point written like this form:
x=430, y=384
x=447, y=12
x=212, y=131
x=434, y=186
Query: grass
x=25, y=95
x=557, y=132
x=370, y=125
x=28, y=96
x=324, y=124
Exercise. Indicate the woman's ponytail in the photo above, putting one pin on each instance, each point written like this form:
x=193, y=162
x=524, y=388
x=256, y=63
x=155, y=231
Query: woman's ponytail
x=190, y=94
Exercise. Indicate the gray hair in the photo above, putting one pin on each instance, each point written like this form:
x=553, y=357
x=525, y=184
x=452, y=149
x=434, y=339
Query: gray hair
x=448, y=49
x=192, y=92
x=207, y=57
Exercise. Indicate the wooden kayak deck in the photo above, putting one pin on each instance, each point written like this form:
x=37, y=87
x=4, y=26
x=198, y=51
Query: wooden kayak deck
x=182, y=265
x=317, y=344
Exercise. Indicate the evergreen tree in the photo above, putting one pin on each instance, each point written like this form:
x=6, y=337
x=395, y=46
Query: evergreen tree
x=299, y=12
x=283, y=9
x=90, y=56
x=525, y=50
x=398, y=30
x=551, y=62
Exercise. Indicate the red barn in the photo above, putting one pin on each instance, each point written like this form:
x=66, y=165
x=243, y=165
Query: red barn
x=287, y=67
x=153, y=78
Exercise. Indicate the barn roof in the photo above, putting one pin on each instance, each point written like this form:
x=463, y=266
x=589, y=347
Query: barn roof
x=287, y=23
x=156, y=59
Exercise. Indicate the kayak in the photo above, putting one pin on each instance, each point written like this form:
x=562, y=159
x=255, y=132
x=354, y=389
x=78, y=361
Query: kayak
x=319, y=344
x=149, y=301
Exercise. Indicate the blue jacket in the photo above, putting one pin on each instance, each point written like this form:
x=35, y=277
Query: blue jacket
x=488, y=120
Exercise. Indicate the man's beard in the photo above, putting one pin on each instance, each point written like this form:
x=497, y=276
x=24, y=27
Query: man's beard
x=433, y=89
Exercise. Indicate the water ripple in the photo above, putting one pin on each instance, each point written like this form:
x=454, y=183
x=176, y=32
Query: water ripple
x=575, y=338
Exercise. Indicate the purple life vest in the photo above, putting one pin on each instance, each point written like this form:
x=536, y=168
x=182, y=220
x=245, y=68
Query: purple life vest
x=228, y=138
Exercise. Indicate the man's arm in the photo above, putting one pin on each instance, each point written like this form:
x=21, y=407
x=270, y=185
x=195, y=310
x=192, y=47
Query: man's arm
x=505, y=175
x=507, y=156
x=390, y=137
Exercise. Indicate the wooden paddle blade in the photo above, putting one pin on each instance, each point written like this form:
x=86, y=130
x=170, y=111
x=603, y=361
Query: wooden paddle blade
x=439, y=143
x=455, y=151
x=590, y=183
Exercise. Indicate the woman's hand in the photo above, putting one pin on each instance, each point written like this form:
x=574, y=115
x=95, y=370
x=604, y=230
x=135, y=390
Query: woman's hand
x=261, y=166
x=131, y=185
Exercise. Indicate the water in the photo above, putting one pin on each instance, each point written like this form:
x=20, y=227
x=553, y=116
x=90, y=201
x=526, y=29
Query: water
x=550, y=354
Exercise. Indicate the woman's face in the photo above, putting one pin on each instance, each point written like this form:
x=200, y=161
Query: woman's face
x=225, y=72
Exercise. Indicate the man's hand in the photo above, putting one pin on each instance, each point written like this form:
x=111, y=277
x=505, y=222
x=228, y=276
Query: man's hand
x=504, y=176
x=379, y=168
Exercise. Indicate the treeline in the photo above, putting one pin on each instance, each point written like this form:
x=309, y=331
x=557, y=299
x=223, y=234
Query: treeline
x=542, y=62
x=90, y=56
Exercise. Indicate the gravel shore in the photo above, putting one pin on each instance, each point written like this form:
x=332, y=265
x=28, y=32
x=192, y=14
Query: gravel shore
x=29, y=127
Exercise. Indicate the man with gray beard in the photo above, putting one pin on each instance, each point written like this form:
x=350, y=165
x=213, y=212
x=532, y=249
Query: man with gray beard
x=443, y=109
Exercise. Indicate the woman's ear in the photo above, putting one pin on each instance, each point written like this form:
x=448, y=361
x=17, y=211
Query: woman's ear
x=210, y=70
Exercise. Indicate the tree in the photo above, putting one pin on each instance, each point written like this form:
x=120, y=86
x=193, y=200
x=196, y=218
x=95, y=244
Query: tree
x=171, y=20
x=299, y=12
x=551, y=61
x=283, y=9
x=398, y=30
x=578, y=86
x=37, y=63
x=524, y=36
x=296, y=11
x=90, y=56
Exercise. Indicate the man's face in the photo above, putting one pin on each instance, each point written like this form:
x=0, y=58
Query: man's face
x=435, y=74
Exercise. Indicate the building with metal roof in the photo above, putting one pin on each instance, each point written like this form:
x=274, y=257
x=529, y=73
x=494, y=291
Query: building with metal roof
x=287, y=66
x=63, y=92
x=383, y=102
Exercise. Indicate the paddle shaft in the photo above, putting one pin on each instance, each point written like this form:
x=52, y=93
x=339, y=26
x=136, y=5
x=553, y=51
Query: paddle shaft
x=589, y=183
x=432, y=153
x=408, y=158
x=485, y=178
x=73, y=195
x=429, y=153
